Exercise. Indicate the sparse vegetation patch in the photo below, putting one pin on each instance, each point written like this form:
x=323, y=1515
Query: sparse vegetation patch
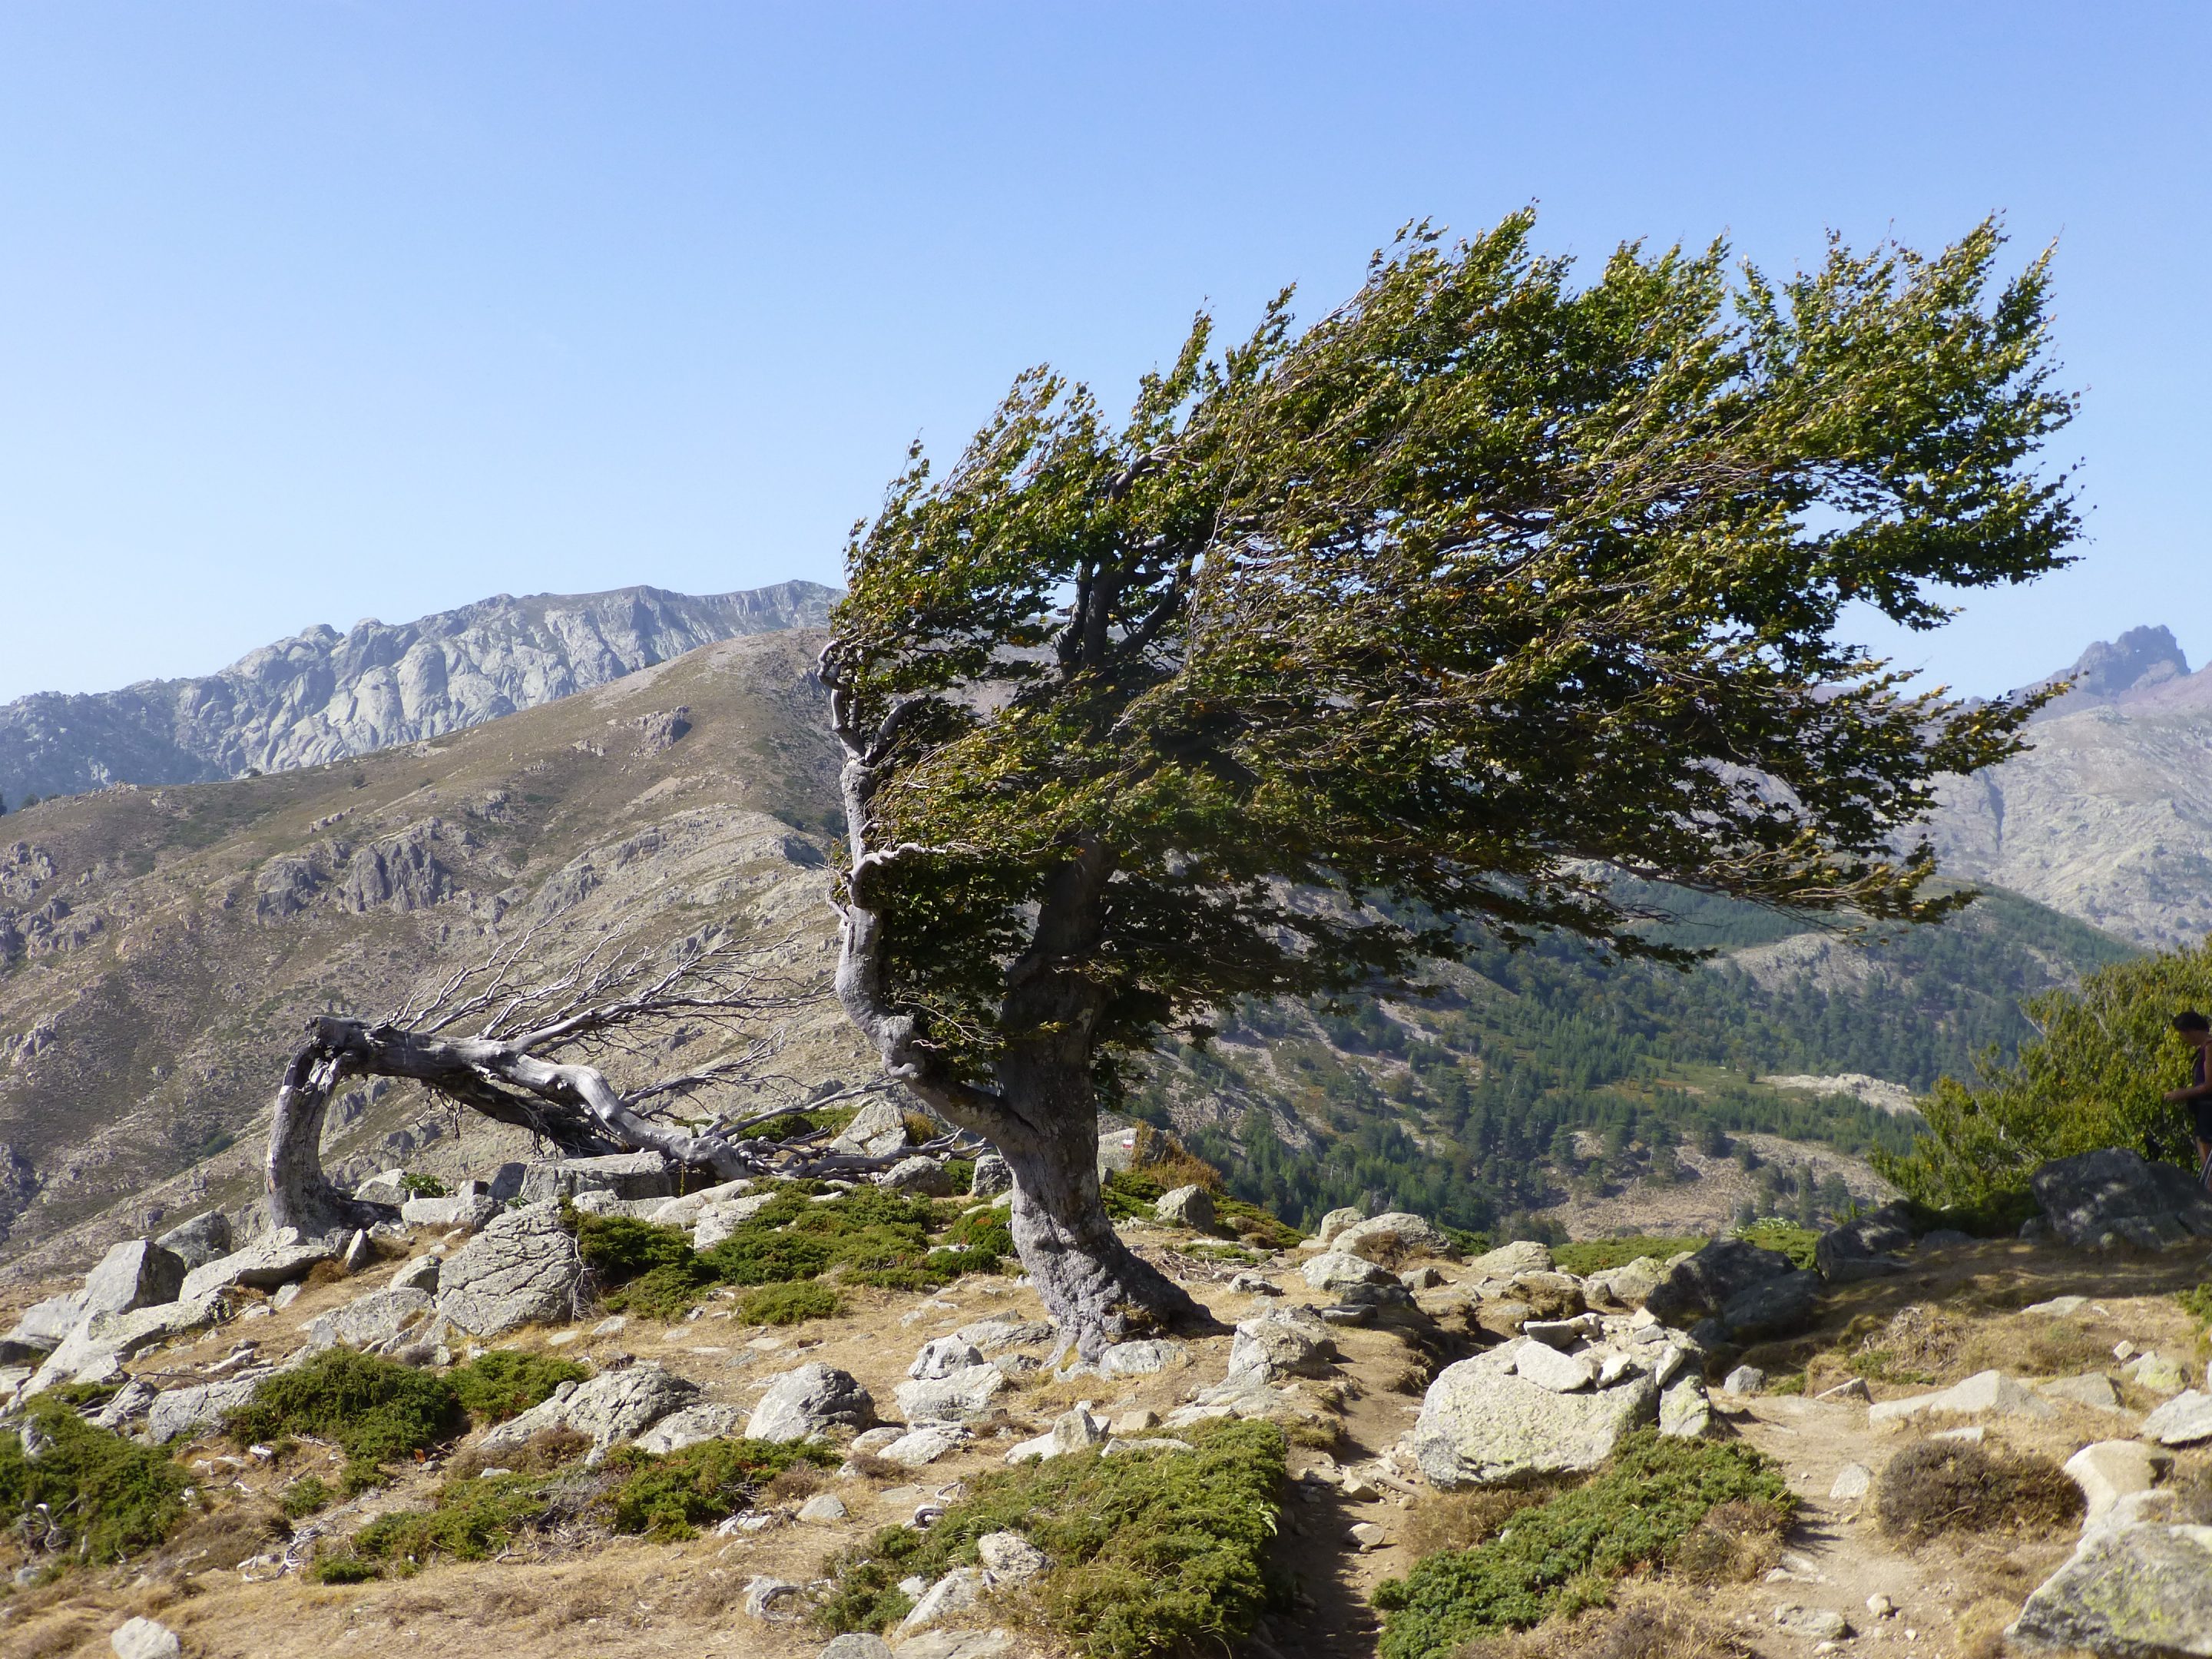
x=1935, y=1486
x=378, y=1411
x=89, y=1493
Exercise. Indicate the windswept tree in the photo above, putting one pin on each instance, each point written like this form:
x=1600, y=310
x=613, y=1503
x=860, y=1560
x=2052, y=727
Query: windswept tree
x=1353, y=644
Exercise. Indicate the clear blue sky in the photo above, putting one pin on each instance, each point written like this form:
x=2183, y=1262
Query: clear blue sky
x=315, y=311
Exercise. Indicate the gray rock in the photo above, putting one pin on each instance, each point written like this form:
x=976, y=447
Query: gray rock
x=957, y=1644
x=1855, y=1389
x=962, y=1396
x=419, y=1274
x=685, y=1211
x=857, y=1644
x=1339, y=1270
x=614, y=1406
x=923, y=1177
x=2106, y=1198
x=620, y=1175
x=991, y=1176
x=1335, y=1222
x=1547, y=1368
x=2110, y=1470
x=2137, y=1592
x=1713, y=1277
x=919, y=1447
x=825, y=1509
x=1565, y=1334
x=1624, y=1286
x=176, y=1414
x=1745, y=1380
x=1186, y=1206
x=385, y=1187
x=993, y=1334
x=1985, y=1394
x=1071, y=1432
x=374, y=1322
x=2159, y=1373
x=1140, y=1359
x=199, y=1241
x=1814, y=1623
x=765, y=1597
x=1117, y=1152
x=1944, y=1239
x=142, y=1639
x=813, y=1400
x=959, y=1591
x=470, y=1210
x=521, y=1269
x=1480, y=1425
x=1282, y=1342
x=95, y=1350
x=43, y=1326
x=1523, y=1255
x=942, y=1356
x=1851, y=1251
x=1852, y=1483
x=2091, y=1388
x=1780, y=1307
x=1009, y=1557
x=505, y=1184
x=1395, y=1237
x=691, y=1426
x=2184, y=1420
x=717, y=1220
x=264, y=1265
x=131, y=1402
x=878, y=1130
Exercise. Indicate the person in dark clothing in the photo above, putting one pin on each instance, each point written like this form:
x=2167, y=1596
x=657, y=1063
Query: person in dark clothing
x=2197, y=1031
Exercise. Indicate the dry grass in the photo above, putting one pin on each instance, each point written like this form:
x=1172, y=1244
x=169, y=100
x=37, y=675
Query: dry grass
x=1162, y=1157
x=220, y=1540
x=1981, y=1629
x=1460, y=1520
x=1735, y=1544
x=51, y=1641
x=800, y=1481
x=2036, y=1345
x=539, y=1454
x=1656, y=1626
x=1936, y=1486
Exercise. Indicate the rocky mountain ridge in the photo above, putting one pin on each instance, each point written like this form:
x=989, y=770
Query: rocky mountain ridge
x=322, y=696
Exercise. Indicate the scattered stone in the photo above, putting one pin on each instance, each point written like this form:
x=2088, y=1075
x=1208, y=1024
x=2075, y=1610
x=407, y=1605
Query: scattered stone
x=692, y=1426
x=1564, y=1335
x=1423, y=1278
x=957, y=1644
x=1480, y=1425
x=1074, y=1431
x=1780, y=1307
x=1944, y=1239
x=683, y=1211
x=619, y=1174
x=1502, y=1319
x=1369, y=1536
x=136, y=1274
x=1862, y=1247
x=943, y=1356
x=2159, y=1373
x=2109, y=1470
x=822, y=1510
x=1282, y=1342
x=993, y=1334
x=1686, y=1410
x=2103, y=1199
x=1140, y=1421
x=1624, y=1286
x=1116, y=1447
x=521, y=1269
x=198, y=1241
x=2059, y=1305
x=419, y=1274
x=1709, y=1280
x=924, y=1177
x=857, y=1644
x=769, y=1598
x=1853, y=1482
x=262, y=1265
x=960, y=1396
x=2091, y=1388
x=1335, y=1222
x=1336, y=1270
x=813, y=1400
x=142, y=1639
x=1394, y=1238
x=1744, y=1380
x=1880, y=1605
x=916, y=1447
x=614, y=1406
x=1186, y=1206
x=1117, y=1152
x=1547, y=1368
x=959, y=1591
x=991, y=1176
x=1009, y=1557
x=360, y=1255
x=131, y=1402
x=95, y=1350
x=717, y=1220
x=878, y=1130
x=1855, y=1389
x=1549, y=1295
x=1985, y=1394
x=373, y=1323
x=1521, y=1255
x=286, y=1295
x=2130, y=1591
x=1140, y=1359
x=1817, y=1624
x=2184, y=1420
x=1972, y=1435
x=42, y=1326
x=472, y=1211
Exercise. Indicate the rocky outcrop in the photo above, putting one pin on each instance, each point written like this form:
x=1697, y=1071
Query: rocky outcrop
x=2135, y=1589
x=613, y=1406
x=136, y=1274
x=810, y=1400
x=2110, y=1197
x=1707, y=1281
x=323, y=696
x=521, y=1269
x=1482, y=1423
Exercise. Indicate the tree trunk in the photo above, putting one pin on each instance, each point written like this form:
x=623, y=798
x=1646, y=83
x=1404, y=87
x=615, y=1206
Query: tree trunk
x=300, y=1194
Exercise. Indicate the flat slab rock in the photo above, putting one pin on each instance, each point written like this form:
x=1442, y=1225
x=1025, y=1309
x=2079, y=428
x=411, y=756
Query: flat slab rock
x=1985, y=1394
x=612, y=1406
x=1480, y=1425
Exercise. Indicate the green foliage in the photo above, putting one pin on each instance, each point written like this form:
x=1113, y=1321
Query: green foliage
x=503, y=1384
x=789, y=1304
x=2092, y=1078
x=1563, y=1555
x=471, y=1520
x=1152, y=1552
x=309, y=1493
x=422, y=1186
x=1442, y=600
x=672, y=1496
x=2197, y=1302
x=377, y=1410
x=108, y=1497
x=1795, y=1242
x=1598, y=1254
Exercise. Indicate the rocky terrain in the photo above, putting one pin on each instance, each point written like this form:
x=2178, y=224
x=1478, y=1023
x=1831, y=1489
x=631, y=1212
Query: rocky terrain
x=322, y=696
x=1428, y=1405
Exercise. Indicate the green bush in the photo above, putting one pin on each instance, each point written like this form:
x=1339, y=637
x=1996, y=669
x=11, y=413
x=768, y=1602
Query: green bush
x=672, y=1496
x=377, y=1410
x=1597, y=1255
x=1563, y=1555
x=496, y=1386
x=789, y=1304
x=1795, y=1242
x=2092, y=1077
x=309, y=1493
x=422, y=1186
x=107, y=1497
x=472, y=1519
x=1153, y=1552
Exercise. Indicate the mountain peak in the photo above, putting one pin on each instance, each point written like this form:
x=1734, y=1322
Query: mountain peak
x=2141, y=660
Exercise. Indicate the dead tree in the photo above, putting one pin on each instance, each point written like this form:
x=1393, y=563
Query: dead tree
x=526, y=1046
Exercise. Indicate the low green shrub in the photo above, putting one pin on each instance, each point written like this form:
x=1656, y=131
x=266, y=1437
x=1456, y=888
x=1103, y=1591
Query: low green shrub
x=309, y=1493
x=1597, y=1255
x=378, y=1411
x=106, y=1498
x=1795, y=1242
x=496, y=1386
x=422, y=1186
x=472, y=1519
x=1564, y=1555
x=1152, y=1552
x=672, y=1496
x=789, y=1304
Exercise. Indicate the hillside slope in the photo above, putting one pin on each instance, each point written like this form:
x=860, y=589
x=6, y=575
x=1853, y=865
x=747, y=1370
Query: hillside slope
x=322, y=696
